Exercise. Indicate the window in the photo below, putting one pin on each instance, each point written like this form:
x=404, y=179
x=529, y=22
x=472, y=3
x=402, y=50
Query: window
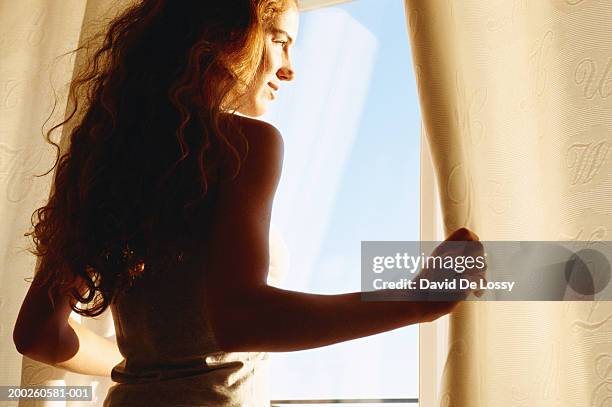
x=351, y=126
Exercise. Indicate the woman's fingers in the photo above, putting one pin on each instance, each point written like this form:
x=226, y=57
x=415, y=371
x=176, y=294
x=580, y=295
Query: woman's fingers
x=464, y=246
x=463, y=234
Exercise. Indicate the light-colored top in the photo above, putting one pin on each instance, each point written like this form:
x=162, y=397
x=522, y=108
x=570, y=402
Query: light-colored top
x=171, y=357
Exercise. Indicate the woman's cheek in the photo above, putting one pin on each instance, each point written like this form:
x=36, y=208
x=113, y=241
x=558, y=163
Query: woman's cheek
x=277, y=58
x=270, y=61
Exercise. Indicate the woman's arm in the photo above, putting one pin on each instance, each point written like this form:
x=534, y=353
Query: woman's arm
x=248, y=315
x=95, y=355
x=44, y=332
x=277, y=320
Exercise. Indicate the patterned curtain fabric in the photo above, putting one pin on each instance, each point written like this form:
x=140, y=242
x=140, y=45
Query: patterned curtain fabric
x=33, y=35
x=516, y=101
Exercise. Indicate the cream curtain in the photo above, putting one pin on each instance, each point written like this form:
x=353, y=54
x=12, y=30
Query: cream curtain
x=516, y=100
x=33, y=33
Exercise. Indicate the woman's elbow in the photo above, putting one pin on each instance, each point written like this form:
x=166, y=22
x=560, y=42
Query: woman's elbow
x=23, y=339
x=33, y=344
x=28, y=347
x=232, y=335
x=21, y=347
x=236, y=328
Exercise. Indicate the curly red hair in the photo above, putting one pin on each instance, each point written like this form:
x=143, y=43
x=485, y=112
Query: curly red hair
x=148, y=123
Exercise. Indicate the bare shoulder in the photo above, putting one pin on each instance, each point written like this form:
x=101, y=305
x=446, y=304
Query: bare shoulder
x=258, y=126
x=265, y=146
x=264, y=135
x=260, y=165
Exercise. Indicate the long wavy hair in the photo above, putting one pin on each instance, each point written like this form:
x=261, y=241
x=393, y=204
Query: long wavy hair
x=148, y=133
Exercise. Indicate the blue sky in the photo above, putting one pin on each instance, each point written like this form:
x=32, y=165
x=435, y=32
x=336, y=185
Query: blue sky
x=351, y=125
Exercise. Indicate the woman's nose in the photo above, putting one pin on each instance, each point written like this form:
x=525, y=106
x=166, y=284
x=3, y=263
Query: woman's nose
x=286, y=73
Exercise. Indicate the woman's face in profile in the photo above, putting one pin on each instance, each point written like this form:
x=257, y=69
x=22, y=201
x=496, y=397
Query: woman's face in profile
x=277, y=66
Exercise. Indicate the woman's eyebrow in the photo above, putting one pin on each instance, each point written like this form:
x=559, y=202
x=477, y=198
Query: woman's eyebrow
x=276, y=30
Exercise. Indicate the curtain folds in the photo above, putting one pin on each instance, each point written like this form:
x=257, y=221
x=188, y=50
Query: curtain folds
x=516, y=101
x=33, y=36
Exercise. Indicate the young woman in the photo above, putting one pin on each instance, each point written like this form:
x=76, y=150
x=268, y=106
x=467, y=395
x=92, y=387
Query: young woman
x=161, y=209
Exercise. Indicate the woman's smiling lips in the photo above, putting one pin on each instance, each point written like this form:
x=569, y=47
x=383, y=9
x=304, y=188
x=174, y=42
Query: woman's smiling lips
x=274, y=88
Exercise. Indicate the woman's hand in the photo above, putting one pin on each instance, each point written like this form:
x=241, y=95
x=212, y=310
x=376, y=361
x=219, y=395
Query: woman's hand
x=441, y=302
